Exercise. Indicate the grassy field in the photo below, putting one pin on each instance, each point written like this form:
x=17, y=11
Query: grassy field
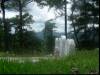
x=21, y=53
x=85, y=61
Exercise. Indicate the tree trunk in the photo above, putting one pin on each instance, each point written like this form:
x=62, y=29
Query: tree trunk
x=66, y=18
x=6, y=44
x=93, y=39
x=85, y=28
x=75, y=32
x=20, y=25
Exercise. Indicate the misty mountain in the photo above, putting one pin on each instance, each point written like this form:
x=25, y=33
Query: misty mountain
x=40, y=35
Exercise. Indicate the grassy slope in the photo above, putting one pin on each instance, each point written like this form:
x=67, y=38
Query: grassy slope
x=83, y=60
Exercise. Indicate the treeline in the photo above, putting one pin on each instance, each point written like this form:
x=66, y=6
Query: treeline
x=14, y=32
x=84, y=17
x=85, y=22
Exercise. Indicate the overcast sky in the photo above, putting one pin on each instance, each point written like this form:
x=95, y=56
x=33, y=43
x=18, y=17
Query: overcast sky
x=41, y=16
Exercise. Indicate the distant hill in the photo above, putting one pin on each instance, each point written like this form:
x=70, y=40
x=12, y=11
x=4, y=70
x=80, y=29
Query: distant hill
x=40, y=35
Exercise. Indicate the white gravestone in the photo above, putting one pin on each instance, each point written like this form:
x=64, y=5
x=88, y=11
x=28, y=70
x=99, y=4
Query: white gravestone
x=63, y=47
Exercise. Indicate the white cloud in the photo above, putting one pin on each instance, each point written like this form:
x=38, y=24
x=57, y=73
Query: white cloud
x=38, y=27
x=41, y=16
x=9, y=14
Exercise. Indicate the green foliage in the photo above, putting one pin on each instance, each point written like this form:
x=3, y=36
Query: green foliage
x=1, y=34
x=13, y=38
x=84, y=60
x=27, y=20
x=14, y=5
x=84, y=14
x=51, y=3
x=20, y=22
x=31, y=41
x=87, y=12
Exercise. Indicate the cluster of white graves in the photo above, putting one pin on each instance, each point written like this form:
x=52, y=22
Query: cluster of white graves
x=63, y=47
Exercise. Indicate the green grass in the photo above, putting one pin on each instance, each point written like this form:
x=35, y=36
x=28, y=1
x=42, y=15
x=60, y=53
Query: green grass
x=21, y=53
x=85, y=61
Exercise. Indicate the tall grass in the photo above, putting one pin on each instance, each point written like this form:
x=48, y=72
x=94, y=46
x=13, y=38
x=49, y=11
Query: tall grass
x=85, y=61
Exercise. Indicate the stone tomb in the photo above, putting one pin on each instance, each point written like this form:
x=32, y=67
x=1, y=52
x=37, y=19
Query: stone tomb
x=63, y=47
